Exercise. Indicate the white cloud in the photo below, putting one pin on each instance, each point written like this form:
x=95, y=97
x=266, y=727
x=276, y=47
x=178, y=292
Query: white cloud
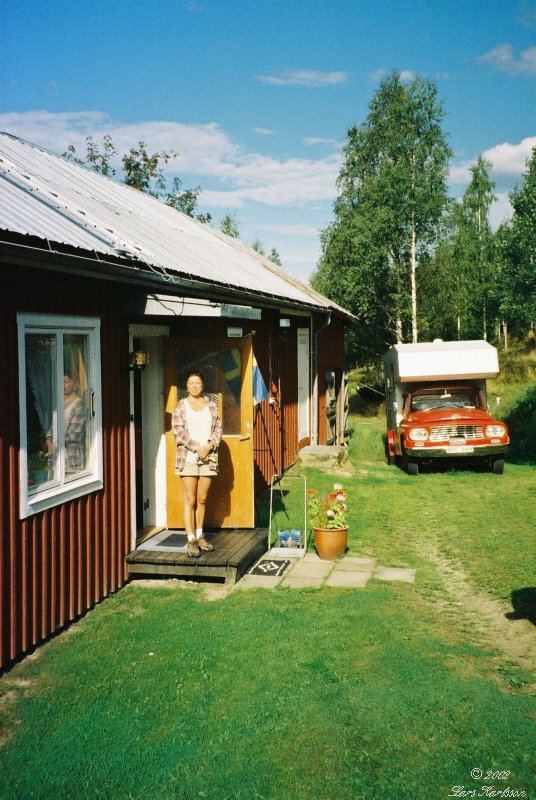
x=305, y=77
x=407, y=75
x=263, y=131
x=292, y=230
x=377, y=75
x=314, y=140
x=230, y=174
x=508, y=161
x=503, y=59
x=203, y=149
x=500, y=210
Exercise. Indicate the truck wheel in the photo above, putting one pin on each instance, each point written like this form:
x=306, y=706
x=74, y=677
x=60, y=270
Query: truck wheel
x=411, y=467
x=497, y=466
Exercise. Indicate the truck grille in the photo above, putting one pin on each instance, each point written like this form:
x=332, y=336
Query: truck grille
x=442, y=433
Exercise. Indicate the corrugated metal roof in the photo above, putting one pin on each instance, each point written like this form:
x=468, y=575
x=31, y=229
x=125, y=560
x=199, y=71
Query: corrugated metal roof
x=44, y=195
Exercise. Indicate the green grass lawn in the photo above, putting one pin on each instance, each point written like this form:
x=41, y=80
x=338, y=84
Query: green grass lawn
x=332, y=694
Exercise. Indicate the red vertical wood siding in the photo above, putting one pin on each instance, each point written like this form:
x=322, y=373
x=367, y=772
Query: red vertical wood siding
x=56, y=564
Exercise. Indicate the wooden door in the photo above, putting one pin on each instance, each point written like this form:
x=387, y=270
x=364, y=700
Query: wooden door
x=227, y=367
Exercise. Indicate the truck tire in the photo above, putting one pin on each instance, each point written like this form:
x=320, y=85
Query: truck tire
x=497, y=466
x=411, y=467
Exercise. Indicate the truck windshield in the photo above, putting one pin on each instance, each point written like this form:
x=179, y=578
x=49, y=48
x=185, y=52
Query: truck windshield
x=443, y=399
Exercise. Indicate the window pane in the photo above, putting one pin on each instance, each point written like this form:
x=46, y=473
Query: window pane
x=186, y=361
x=76, y=420
x=208, y=366
x=231, y=380
x=41, y=407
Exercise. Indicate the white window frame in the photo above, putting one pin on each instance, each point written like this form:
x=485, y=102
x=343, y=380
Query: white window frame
x=89, y=481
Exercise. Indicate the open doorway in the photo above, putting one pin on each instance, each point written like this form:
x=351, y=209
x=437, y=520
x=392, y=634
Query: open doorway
x=147, y=435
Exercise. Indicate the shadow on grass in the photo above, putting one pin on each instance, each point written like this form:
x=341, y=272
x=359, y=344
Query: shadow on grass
x=524, y=604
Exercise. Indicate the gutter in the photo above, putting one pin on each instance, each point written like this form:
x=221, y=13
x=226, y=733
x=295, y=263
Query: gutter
x=314, y=359
x=145, y=276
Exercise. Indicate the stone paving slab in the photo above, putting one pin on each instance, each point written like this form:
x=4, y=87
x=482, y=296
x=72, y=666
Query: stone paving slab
x=309, y=569
x=395, y=574
x=354, y=580
x=258, y=582
x=301, y=583
x=354, y=564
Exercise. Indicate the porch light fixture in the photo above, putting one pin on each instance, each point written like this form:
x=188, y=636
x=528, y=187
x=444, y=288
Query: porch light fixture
x=139, y=360
x=284, y=327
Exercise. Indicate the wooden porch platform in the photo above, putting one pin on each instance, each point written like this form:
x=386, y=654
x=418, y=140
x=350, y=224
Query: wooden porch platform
x=236, y=551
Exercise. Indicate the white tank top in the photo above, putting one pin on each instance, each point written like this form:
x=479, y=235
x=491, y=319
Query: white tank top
x=199, y=424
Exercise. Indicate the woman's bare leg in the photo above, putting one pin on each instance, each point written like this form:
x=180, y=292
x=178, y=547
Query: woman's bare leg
x=190, y=491
x=203, y=487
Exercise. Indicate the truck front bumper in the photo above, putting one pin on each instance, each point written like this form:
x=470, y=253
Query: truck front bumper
x=457, y=451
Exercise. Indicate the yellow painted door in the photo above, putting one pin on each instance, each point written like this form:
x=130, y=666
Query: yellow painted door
x=227, y=366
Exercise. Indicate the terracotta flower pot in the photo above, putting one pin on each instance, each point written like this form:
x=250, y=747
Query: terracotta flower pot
x=330, y=543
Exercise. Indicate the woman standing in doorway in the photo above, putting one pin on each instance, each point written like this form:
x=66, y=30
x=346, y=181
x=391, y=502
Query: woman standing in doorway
x=197, y=429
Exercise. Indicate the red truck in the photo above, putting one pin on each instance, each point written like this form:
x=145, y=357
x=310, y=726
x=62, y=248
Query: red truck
x=437, y=407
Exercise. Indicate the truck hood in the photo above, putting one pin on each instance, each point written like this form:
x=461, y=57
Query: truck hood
x=438, y=415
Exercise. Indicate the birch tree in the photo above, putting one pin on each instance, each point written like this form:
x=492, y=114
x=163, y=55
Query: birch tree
x=394, y=182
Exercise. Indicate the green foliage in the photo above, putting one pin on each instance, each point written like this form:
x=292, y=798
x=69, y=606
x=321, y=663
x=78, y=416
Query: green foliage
x=517, y=241
x=229, y=226
x=327, y=510
x=522, y=426
x=258, y=246
x=275, y=257
x=392, y=197
x=142, y=171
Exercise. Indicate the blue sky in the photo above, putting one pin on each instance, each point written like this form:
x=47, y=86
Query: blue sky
x=257, y=96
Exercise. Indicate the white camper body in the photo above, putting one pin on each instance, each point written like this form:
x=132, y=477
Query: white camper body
x=436, y=361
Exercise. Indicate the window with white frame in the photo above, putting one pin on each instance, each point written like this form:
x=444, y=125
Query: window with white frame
x=60, y=409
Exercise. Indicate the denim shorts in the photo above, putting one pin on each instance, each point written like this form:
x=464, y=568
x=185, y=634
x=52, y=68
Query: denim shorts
x=192, y=469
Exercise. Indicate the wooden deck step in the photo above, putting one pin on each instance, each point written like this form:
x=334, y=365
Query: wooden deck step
x=236, y=551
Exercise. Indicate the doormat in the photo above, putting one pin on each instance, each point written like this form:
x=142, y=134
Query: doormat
x=269, y=567
x=166, y=541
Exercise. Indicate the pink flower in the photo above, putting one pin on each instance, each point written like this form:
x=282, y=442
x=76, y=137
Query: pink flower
x=337, y=487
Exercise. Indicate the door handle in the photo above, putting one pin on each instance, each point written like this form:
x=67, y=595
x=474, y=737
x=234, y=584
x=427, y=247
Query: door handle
x=244, y=437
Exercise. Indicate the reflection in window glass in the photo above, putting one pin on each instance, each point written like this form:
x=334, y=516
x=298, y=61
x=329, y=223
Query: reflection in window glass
x=209, y=368
x=75, y=396
x=222, y=373
x=41, y=406
x=186, y=362
x=60, y=409
x=57, y=445
x=231, y=366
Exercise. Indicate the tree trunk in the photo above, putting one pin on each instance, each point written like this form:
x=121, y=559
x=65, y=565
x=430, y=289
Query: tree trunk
x=415, y=336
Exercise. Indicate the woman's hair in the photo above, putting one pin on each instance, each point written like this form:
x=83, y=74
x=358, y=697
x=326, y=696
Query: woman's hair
x=195, y=374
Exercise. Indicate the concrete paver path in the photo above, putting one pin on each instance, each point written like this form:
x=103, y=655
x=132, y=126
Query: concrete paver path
x=311, y=571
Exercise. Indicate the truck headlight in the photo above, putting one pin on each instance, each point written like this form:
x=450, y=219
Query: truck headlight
x=495, y=430
x=418, y=434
